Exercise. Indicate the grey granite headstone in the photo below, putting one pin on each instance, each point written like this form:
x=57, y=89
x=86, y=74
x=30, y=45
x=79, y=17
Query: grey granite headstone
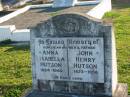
x=64, y=3
x=73, y=55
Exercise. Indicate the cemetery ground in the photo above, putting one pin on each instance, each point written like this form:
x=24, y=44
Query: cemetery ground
x=15, y=70
x=15, y=64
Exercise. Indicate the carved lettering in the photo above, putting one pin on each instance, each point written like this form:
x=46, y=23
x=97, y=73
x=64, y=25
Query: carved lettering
x=70, y=59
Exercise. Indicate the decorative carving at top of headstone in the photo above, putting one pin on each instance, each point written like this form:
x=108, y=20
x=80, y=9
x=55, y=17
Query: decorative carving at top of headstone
x=69, y=25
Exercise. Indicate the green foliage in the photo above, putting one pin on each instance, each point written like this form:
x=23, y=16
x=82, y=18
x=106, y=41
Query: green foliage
x=111, y=15
x=7, y=41
x=121, y=20
x=14, y=92
x=15, y=69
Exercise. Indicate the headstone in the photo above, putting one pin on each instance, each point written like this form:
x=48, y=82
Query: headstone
x=64, y=3
x=74, y=55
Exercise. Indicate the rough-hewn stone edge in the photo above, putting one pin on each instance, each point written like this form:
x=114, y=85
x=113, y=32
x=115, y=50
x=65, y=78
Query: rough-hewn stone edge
x=81, y=14
x=32, y=47
x=122, y=90
x=36, y=93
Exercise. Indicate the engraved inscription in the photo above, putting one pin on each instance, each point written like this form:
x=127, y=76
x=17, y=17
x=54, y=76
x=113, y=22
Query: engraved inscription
x=70, y=59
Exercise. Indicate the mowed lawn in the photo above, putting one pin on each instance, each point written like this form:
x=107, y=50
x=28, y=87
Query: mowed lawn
x=15, y=65
x=120, y=16
x=15, y=70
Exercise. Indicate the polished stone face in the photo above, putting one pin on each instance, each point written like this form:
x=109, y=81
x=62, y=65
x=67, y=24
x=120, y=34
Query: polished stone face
x=64, y=3
x=70, y=59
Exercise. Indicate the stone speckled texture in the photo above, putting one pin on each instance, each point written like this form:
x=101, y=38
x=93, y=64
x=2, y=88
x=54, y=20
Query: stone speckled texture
x=45, y=94
x=122, y=91
x=83, y=26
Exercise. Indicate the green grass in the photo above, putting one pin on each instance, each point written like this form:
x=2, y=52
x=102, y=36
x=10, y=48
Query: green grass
x=120, y=15
x=15, y=68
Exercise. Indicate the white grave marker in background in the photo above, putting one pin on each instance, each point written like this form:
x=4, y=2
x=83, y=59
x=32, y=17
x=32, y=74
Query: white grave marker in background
x=64, y=3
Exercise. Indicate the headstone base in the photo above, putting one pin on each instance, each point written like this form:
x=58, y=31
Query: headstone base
x=45, y=94
x=122, y=91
